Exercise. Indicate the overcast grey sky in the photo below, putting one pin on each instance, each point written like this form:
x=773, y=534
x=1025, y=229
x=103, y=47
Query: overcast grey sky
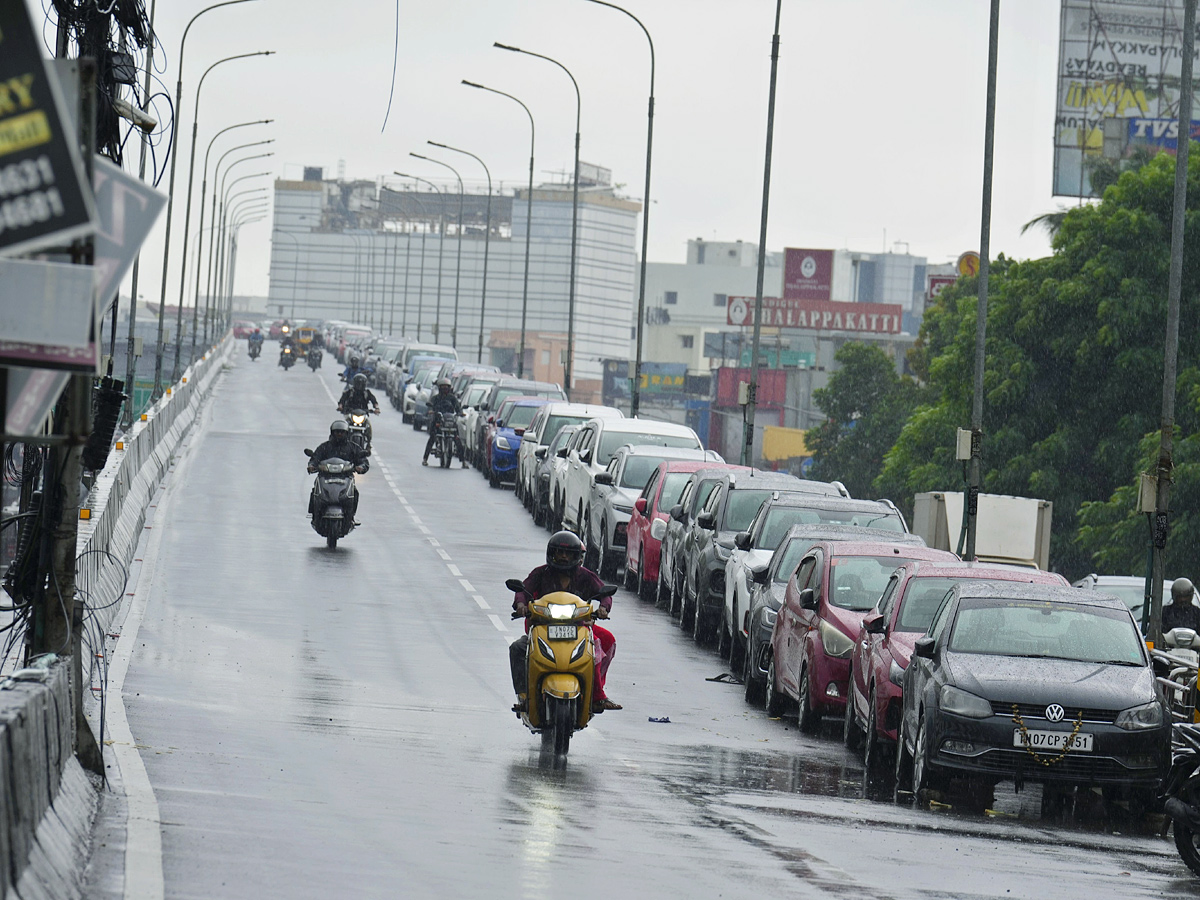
x=879, y=118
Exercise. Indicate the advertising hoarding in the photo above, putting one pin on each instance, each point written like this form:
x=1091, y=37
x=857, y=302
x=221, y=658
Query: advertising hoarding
x=1117, y=60
x=807, y=274
x=817, y=315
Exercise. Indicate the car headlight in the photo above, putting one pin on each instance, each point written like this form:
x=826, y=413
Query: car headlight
x=1148, y=715
x=769, y=617
x=502, y=443
x=895, y=673
x=953, y=700
x=835, y=643
x=561, y=610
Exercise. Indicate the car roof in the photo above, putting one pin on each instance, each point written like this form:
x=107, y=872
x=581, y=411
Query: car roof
x=1048, y=593
x=655, y=450
x=984, y=570
x=525, y=401
x=591, y=410
x=688, y=465
x=851, y=533
x=757, y=478
x=883, y=548
x=806, y=498
x=642, y=426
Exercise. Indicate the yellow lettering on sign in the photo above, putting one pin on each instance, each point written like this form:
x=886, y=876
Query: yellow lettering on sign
x=23, y=132
x=16, y=94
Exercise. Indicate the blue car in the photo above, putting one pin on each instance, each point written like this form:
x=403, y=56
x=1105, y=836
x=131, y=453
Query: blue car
x=503, y=437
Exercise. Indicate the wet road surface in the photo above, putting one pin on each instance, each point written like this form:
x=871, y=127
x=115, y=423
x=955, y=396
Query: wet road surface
x=320, y=723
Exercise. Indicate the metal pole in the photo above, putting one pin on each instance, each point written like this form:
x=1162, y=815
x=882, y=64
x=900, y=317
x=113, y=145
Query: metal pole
x=437, y=321
x=528, y=224
x=975, y=466
x=421, y=288
x=458, y=264
x=752, y=398
x=635, y=388
x=1174, y=289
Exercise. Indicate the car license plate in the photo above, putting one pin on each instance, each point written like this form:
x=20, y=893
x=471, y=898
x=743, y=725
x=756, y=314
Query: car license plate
x=1052, y=740
x=562, y=632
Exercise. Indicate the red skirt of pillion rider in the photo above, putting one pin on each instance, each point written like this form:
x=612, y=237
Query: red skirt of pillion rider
x=606, y=648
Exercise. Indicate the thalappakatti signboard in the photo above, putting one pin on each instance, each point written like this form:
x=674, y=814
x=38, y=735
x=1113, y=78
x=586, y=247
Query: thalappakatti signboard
x=43, y=201
x=1118, y=61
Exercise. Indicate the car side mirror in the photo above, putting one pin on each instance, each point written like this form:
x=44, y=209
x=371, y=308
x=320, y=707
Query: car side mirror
x=483, y=407
x=808, y=599
x=562, y=453
x=307, y=452
x=540, y=452
x=491, y=420
x=640, y=505
x=499, y=423
x=742, y=540
x=759, y=573
x=874, y=623
x=707, y=520
x=604, y=478
x=924, y=647
x=586, y=457
x=676, y=512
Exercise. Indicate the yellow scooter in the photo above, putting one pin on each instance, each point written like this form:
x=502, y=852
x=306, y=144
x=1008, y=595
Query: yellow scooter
x=561, y=665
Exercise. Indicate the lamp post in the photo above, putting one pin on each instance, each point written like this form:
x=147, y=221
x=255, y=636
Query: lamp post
x=437, y=320
x=237, y=218
x=237, y=227
x=569, y=368
x=458, y=263
x=187, y=216
x=224, y=218
x=295, y=264
x=203, y=196
x=421, y=281
x=635, y=388
x=487, y=237
x=528, y=223
x=178, y=112
x=214, y=238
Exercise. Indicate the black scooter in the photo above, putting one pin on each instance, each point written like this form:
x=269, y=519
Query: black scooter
x=334, y=499
x=287, y=359
x=255, y=349
x=314, y=358
x=1181, y=789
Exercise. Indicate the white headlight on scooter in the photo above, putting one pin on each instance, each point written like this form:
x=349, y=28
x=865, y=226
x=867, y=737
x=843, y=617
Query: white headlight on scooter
x=561, y=610
x=358, y=420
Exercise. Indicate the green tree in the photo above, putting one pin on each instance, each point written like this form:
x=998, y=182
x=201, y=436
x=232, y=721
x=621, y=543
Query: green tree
x=866, y=404
x=1074, y=357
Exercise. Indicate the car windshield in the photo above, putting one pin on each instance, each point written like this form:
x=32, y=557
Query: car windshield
x=475, y=396
x=638, y=470
x=559, y=441
x=780, y=519
x=792, y=554
x=554, y=423
x=922, y=599
x=1132, y=594
x=520, y=416
x=672, y=489
x=1027, y=628
x=741, y=507
x=611, y=440
x=857, y=582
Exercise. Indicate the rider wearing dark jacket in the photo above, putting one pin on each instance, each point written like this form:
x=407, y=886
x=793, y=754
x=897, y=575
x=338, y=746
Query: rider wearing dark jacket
x=339, y=446
x=443, y=403
x=358, y=396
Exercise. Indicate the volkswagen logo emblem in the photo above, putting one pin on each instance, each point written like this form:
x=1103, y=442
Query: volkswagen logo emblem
x=1055, y=713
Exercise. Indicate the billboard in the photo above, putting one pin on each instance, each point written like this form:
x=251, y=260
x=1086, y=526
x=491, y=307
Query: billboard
x=817, y=315
x=1118, y=60
x=807, y=274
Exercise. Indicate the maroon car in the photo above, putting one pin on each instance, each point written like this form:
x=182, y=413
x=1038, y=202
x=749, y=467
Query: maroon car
x=888, y=633
x=835, y=585
x=644, y=541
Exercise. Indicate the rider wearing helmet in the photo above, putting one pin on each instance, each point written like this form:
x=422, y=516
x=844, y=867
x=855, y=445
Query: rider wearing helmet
x=353, y=367
x=1181, y=612
x=563, y=571
x=340, y=446
x=443, y=403
x=358, y=396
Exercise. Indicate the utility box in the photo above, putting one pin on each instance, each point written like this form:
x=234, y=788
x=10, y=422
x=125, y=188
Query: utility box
x=1011, y=530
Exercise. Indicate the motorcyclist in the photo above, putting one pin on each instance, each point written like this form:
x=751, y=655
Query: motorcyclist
x=563, y=571
x=340, y=446
x=358, y=396
x=1181, y=612
x=443, y=403
x=354, y=367
x=286, y=343
x=254, y=347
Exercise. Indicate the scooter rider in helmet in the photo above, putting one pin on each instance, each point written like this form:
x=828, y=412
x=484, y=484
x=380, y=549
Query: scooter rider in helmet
x=358, y=396
x=443, y=403
x=353, y=367
x=563, y=571
x=1181, y=612
x=340, y=446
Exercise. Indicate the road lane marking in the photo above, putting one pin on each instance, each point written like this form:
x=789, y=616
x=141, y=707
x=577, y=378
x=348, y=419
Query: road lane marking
x=467, y=586
x=500, y=626
x=442, y=553
x=454, y=570
x=424, y=530
x=480, y=602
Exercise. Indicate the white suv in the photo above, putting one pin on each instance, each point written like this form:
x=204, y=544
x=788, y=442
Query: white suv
x=541, y=432
x=594, y=445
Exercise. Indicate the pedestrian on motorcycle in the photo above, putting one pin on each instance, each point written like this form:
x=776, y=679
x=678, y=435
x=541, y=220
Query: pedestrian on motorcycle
x=1181, y=612
x=286, y=343
x=340, y=446
x=354, y=367
x=563, y=571
x=358, y=396
x=443, y=403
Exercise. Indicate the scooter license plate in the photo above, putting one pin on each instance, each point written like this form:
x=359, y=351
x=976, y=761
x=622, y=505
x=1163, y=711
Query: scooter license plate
x=562, y=632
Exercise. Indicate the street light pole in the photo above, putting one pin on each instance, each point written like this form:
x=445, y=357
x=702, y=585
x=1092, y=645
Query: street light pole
x=487, y=238
x=214, y=249
x=528, y=224
x=421, y=281
x=226, y=215
x=458, y=263
x=437, y=321
x=569, y=368
x=752, y=398
x=635, y=388
x=295, y=265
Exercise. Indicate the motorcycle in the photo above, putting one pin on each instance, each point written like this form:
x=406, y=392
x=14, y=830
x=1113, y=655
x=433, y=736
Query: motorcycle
x=255, y=349
x=360, y=428
x=444, y=433
x=561, y=665
x=333, y=499
x=286, y=358
x=1181, y=789
x=314, y=358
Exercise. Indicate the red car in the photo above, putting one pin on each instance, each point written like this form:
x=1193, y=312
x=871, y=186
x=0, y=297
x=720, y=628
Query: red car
x=243, y=329
x=835, y=585
x=885, y=642
x=644, y=539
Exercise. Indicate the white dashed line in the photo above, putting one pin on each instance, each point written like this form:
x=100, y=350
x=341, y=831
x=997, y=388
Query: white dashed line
x=467, y=586
x=424, y=530
x=480, y=602
x=442, y=553
x=454, y=570
x=499, y=624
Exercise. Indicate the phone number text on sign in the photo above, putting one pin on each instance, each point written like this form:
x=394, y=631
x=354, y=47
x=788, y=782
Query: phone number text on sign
x=25, y=195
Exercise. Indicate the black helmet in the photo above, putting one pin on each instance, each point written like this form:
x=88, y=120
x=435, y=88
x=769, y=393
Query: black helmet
x=354, y=359
x=564, y=551
x=360, y=381
x=338, y=430
x=1182, y=590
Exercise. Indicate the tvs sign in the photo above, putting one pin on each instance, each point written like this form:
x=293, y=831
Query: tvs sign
x=817, y=315
x=807, y=274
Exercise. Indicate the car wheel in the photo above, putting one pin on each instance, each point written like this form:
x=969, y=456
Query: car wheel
x=777, y=701
x=755, y=689
x=903, y=768
x=687, y=611
x=629, y=580
x=406, y=418
x=662, y=595
x=737, y=648
x=807, y=718
x=703, y=627
x=608, y=565
x=645, y=589
x=722, y=638
x=536, y=512
x=851, y=734
x=872, y=746
x=926, y=778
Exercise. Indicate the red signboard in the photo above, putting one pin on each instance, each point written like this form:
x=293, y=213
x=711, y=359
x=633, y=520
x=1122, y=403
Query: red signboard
x=817, y=315
x=807, y=274
x=772, y=386
x=938, y=283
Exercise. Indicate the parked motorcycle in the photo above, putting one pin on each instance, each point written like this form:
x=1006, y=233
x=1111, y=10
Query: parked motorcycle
x=360, y=428
x=314, y=358
x=333, y=500
x=1181, y=790
x=255, y=349
x=444, y=433
x=561, y=665
x=286, y=358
